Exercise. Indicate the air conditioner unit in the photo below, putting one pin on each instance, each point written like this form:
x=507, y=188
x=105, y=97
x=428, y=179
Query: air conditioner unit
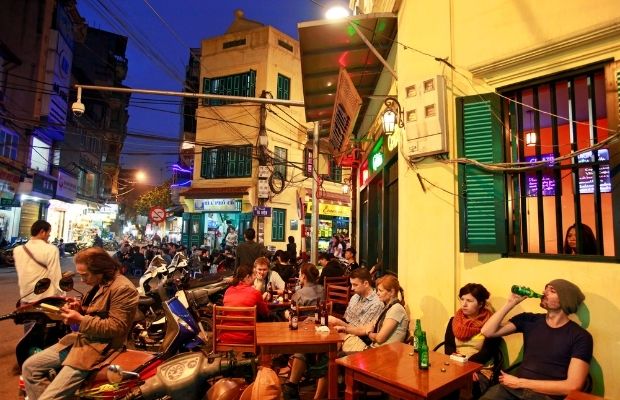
x=425, y=117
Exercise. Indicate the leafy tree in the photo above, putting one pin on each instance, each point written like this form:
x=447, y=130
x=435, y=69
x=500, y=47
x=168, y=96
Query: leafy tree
x=159, y=196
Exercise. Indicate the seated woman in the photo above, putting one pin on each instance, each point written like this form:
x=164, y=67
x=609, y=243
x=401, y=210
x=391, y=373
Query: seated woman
x=311, y=292
x=463, y=334
x=391, y=326
x=392, y=323
x=588, y=240
x=242, y=294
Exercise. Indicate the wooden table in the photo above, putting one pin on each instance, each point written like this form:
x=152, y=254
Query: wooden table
x=576, y=395
x=276, y=338
x=391, y=369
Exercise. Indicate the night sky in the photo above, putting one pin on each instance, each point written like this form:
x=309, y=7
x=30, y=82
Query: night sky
x=158, y=50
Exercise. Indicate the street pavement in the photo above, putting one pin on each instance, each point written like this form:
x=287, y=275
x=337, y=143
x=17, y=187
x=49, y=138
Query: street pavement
x=11, y=333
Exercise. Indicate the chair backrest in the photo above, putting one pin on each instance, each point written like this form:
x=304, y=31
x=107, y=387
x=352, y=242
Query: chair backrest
x=339, y=297
x=308, y=311
x=336, y=280
x=234, y=328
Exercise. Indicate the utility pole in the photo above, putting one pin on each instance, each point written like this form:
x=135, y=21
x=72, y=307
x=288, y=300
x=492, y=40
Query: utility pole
x=262, y=162
x=314, y=232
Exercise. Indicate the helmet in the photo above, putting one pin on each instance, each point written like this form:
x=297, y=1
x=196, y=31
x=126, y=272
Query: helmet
x=225, y=389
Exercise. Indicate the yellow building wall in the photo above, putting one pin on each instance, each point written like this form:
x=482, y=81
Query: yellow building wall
x=286, y=126
x=502, y=42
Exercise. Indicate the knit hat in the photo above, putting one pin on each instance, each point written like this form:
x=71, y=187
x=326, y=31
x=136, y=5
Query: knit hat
x=570, y=295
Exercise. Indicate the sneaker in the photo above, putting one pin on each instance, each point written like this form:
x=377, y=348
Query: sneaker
x=290, y=391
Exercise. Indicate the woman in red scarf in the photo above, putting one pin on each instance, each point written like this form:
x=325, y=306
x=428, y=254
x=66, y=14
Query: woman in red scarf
x=463, y=334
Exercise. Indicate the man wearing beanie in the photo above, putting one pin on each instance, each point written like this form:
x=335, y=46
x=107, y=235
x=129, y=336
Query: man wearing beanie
x=556, y=350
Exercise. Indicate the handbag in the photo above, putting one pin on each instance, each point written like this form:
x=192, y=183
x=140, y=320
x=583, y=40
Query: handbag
x=32, y=257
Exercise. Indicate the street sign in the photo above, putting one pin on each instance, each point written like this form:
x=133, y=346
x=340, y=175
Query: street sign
x=263, y=189
x=262, y=211
x=263, y=171
x=157, y=214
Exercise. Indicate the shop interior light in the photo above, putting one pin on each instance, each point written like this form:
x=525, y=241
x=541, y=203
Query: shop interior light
x=530, y=139
x=392, y=116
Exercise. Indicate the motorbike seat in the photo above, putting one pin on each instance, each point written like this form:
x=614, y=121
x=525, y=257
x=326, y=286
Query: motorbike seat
x=130, y=360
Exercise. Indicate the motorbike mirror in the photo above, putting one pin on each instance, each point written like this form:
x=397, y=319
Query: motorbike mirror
x=66, y=283
x=115, y=374
x=42, y=285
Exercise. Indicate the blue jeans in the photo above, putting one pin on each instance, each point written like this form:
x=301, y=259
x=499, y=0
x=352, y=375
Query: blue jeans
x=501, y=392
x=38, y=369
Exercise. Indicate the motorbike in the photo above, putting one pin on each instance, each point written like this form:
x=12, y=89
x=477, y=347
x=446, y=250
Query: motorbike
x=197, y=295
x=6, y=253
x=182, y=335
x=186, y=376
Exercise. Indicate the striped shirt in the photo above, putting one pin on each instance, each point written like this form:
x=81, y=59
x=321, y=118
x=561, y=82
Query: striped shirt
x=363, y=311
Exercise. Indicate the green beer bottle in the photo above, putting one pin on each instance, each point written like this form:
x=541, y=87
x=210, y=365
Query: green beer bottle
x=524, y=291
x=416, y=335
x=423, y=356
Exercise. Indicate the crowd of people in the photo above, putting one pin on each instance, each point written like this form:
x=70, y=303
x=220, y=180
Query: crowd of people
x=556, y=350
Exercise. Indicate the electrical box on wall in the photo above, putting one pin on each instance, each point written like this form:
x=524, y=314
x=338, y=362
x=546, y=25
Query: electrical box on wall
x=425, y=117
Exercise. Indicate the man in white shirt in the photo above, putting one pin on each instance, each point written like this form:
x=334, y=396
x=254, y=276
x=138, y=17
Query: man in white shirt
x=35, y=260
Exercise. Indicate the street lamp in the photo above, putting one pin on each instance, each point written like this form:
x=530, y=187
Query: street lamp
x=392, y=116
x=140, y=176
x=336, y=12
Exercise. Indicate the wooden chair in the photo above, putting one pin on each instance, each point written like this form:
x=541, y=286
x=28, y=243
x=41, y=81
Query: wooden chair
x=308, y=311
x=339, y=297
x=336, y=280
x=239, y=320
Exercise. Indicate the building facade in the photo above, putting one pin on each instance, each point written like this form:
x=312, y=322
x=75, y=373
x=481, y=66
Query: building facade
x=501, y=82
x=238, y=141
x=36, y=75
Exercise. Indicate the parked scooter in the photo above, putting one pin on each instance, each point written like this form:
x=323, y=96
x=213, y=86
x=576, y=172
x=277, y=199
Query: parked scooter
x=186, y=377
x=182, y=334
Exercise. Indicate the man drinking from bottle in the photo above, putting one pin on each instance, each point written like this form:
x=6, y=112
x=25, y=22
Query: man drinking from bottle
x=556, y=350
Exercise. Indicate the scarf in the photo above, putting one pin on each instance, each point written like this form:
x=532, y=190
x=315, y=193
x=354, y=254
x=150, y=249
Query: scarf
x=465, y=328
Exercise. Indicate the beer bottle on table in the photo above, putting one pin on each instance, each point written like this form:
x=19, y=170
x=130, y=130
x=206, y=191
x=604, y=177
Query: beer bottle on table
x=293, y=317
x=416, y=335
x=324, y=315
x=270, y=291
x=317, y=313
x=285, y=297
x=423, y=355
x=524, y=291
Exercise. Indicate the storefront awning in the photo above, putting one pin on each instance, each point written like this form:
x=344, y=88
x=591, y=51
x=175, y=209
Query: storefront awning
x=328, y=45
x=214, y=193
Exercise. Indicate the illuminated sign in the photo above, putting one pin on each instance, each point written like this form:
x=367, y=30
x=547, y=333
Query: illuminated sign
x=377, y=161
x=221, y=205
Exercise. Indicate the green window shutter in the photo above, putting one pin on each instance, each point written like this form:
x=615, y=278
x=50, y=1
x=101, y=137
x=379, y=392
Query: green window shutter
x=482, y=194
x=284, y=85
x=278, y=216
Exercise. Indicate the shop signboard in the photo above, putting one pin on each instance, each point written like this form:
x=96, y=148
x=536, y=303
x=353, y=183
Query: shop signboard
x=217, y=205
x=66, y=187
x=43, y=185
x=262, y=211
x=334, y=210
x=12, y=202
x=346, y=108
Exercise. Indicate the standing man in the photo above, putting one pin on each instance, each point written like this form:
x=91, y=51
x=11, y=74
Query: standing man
x=37, y=259
x=556, y=351
x=249, y=251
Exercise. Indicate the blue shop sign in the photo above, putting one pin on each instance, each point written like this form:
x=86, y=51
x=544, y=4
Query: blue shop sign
x=43, y=185
x=262, y=211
